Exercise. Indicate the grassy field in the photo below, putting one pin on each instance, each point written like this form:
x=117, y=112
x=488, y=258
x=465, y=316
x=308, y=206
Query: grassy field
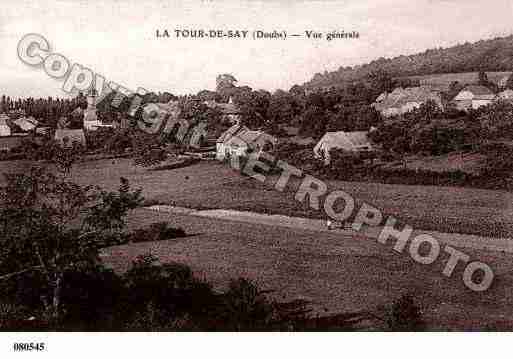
x=464, y=78
x=210, y=185
x=334, y=272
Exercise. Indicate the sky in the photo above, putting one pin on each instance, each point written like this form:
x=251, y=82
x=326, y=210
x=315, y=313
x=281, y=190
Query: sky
x=117, y=39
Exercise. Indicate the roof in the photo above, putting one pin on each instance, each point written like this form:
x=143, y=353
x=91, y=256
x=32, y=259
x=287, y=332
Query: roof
x=242, y=136
x=478, y=92
x=26, y=124
x=230, y=132
x=403, y=96
x=251, y=138
x=4, y=118
x=503, y=81
x=351, y=141
x=5, y=129
x=506, y=95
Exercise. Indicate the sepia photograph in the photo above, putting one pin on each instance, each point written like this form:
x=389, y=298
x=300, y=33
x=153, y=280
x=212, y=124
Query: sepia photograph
x=173, y=172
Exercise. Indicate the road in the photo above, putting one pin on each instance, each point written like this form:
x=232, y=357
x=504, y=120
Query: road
x=335, y=271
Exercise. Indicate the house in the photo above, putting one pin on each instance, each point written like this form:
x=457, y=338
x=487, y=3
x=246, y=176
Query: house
x=66, y=138
x=222, y=144
x=473, y=97
x=403, y=100
x=506, y=95
x=503, y=81
x=241, y=141
x=357, y=141
x=5, y=129
x=26, y=123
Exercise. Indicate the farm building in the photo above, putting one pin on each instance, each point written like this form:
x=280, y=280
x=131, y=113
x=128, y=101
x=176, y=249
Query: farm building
x=506, y=95
x=357, y=141
x=403, y=100
x=503, y=81
x=473, y=97
x=241, y=141
x=5, y=129
x=26, y=123
x=66, y=138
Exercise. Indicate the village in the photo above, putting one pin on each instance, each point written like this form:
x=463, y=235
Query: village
x=231, y=135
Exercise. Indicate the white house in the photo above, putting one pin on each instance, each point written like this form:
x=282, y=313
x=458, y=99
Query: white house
x=473, y=97
x=5, y=130
x=26, y=123
x=241, y=141
x=506, y=95
x=357, y=141
x=403, y=100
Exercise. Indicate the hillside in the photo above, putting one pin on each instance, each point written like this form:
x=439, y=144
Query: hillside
x=494, y=55
x=443, y=81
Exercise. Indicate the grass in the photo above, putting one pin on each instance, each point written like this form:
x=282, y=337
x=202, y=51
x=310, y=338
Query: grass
x=463, y=78
x=333, y=272
x=211, y=185
x=336, y=273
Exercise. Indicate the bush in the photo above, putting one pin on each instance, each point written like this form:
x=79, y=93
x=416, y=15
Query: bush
x=405, y=316
x=499, y=159
x=159, y=231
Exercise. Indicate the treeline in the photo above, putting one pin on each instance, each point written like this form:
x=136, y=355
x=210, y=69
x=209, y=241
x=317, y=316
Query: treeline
x=484, y=55
x=47, y=110
x=314, y=113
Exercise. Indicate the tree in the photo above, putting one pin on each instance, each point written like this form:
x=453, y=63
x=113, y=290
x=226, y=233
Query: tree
x=51, y=225
x=283, y=108
x=253, y=107
x=313, y=121
x=484, y=81
x=381, y=81
x=297, y=91
x=454, y=89
x=509, y=83
x=206, y=95
x=483, y=78
x=225, y=81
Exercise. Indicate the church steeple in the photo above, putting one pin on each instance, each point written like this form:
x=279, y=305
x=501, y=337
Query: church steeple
x=90, y=116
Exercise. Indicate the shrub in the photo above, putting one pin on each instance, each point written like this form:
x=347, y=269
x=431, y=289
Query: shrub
x=404, y=315
x=156, y=232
